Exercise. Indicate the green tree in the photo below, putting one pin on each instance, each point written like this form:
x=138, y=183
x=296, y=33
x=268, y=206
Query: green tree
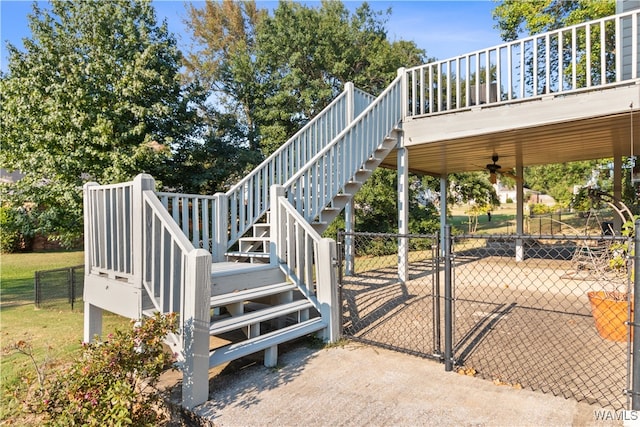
x=308, y=54
x=273, y=73
x=558, y=179
x=515, y=17
x=95, y=95
x=474, y=189
x=223, y=61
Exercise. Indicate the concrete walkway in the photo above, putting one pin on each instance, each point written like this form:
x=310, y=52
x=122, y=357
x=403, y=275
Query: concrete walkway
x=357, y=385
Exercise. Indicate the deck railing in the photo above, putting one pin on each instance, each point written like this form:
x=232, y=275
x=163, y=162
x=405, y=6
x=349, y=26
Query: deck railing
x=131, y=237
x=590, y=55
x=306, y=258
x=313, y=186
x=108, y=219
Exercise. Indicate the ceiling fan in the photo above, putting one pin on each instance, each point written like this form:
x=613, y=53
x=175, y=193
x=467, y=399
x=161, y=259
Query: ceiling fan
x=495, y=168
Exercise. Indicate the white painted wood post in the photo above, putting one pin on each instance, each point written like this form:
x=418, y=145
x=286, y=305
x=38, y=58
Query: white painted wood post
x=141, y=183
x=221, y=224
x=403, y=211
x=349, y=250
x=327, y=288
x=92, y=314
x=351, y=105
x=276, y=233
x=404, y=92
x=195, y=324
x=519, y=210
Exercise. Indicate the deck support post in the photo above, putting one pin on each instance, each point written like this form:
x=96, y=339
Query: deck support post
x=444, y=183
x=92, y=322
x=403, y=210
x=617, y=192
x=271, y=356
x=519, y=210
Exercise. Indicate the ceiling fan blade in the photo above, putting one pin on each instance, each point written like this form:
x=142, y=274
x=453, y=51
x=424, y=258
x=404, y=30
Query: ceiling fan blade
x=511, y=175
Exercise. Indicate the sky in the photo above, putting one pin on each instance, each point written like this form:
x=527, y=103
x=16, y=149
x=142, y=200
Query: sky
x=443, y=28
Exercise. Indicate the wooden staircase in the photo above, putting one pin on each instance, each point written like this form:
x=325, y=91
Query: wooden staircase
x=254, y=247
x=267, y=311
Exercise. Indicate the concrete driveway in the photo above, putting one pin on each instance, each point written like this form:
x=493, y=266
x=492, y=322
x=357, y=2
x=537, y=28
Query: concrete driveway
x=358, y=385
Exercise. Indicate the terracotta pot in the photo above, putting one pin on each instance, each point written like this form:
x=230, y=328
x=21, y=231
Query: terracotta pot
x=610, y=316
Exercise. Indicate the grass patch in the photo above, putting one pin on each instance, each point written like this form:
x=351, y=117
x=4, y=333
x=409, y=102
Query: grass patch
x=54, y=335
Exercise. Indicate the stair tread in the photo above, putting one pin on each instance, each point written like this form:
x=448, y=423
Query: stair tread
x=236, y=322
x=248, y=254
x=262, y=342
x=255, y=239
x=249, y=294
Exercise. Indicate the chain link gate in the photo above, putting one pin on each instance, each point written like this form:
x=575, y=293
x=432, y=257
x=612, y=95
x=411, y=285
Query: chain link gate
x=522, y=323
x=380, y=309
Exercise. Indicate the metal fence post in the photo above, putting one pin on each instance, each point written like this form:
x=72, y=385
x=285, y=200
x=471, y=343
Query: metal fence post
x=635, y=384
x=448, y=308
x=36, y=286
x=340, y=247
x=71, y=287
x=437, y=261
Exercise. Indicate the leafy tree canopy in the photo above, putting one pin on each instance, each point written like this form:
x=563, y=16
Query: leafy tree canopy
x=274, y=72
x=515, y=17
x=95, y=95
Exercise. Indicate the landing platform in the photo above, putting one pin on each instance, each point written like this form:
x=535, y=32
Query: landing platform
x=230, y=268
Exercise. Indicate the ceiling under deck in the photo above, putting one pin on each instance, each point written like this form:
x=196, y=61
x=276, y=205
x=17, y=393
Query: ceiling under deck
x=556, y=129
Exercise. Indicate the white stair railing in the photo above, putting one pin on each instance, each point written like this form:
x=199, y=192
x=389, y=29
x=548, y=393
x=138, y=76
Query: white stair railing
x=308, y=259
x=586, y=56
x=216, y=222
x=323, y=177
x=248, y=200
x=131, y=238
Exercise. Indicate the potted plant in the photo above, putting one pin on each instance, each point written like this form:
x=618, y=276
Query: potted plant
x=612, y=306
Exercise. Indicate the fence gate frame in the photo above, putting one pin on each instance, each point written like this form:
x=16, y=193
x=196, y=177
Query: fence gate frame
x=426, y=278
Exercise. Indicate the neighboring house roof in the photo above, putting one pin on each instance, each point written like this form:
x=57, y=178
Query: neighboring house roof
x=7, y=177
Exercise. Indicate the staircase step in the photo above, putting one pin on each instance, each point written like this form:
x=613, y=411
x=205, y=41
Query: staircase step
x=261, y=229
x=239, y=254
x=230, y=277
x=254, y=317
x=256, y=239
x=251, y=294
x=262, y=342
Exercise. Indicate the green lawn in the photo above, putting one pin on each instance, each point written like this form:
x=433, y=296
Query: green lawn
x=54, y=334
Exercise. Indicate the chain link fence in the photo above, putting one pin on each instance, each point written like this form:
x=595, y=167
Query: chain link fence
x=379, y=309
x=528, y=323
x=59, y=288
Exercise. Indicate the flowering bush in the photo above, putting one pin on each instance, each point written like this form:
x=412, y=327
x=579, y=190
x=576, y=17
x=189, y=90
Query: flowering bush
x=113, y=382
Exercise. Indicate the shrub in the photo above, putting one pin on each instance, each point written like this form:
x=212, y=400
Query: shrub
x=113, y=382
x=9, y=236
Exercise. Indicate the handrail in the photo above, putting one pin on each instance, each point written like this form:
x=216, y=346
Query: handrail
x=571, y=59
x=326, y=174
x=306, y=258
x=249, y=199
